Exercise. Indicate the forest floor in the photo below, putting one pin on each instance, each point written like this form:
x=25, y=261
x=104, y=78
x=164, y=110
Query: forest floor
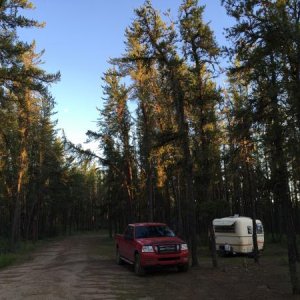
x=83, y=267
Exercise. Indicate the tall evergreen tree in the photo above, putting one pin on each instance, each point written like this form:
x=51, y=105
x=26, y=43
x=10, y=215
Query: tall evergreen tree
x=114, y=133
x=201, y=52
x=20, y=80
x=23, y=94
x=255, y=45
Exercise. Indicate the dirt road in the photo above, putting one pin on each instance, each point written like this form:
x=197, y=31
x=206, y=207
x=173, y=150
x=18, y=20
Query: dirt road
x=83, y=267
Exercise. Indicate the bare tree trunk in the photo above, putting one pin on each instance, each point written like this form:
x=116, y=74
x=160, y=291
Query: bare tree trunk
x=146, y=143
x=187, y=163
x=23, y=120
x=17, y=211
x=253, y=209
x=213, y=248
x=178, y=212
x=281, y=190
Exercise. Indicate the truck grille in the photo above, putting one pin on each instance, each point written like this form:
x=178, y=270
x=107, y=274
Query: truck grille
x=168, y=248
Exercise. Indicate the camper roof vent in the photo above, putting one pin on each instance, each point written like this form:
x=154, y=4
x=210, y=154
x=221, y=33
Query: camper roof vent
x=236, y=215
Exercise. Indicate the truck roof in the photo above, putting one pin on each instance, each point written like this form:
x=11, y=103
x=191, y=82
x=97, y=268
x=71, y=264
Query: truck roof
x=147, y=224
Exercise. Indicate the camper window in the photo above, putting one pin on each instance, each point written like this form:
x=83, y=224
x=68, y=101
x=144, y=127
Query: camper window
x=224, y=228
x=259, y=229
x=249, y=228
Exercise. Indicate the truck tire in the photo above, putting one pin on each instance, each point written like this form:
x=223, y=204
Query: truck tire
x=119, y=260
x=138, y=269
x=183, y=268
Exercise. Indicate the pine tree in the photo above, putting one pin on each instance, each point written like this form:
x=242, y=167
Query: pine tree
x=19, y=79
x=23, y=95
x=114, y=133
x=255, y=45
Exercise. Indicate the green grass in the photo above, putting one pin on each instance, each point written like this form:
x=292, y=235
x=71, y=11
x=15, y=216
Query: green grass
x=7, y=259
x=23, y=253
x=108, y=246
x=25, y=249
x=275, y=249
x=275, y=252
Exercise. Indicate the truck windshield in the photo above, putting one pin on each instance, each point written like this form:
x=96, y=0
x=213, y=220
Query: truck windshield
x=153, y=231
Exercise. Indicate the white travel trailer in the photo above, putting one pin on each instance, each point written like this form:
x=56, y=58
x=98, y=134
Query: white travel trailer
x=234, y=234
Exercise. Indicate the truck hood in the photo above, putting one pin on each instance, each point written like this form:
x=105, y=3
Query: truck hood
x=160, y=241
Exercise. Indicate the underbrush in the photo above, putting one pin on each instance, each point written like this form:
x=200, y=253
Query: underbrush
x=23, y=253
x=25, y=248
x=107, y=247
x=7, y=259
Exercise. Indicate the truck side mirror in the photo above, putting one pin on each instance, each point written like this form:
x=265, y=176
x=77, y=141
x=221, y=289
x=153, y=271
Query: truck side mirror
x=128, y=237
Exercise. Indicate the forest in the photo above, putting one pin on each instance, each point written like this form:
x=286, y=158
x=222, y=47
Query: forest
x=191, y=149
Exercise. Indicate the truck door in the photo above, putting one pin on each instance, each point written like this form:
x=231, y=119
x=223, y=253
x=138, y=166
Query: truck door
x=129, y=243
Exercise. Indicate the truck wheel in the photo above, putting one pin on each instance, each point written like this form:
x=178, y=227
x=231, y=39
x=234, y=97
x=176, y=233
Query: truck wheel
x=183, y=268
x=119, y=260
x=138, y=269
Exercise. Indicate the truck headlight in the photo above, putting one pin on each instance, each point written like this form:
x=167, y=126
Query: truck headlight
x=184, y=247
x=147, y=249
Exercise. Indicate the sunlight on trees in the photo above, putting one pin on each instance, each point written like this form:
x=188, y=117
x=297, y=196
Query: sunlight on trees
x=191, y=151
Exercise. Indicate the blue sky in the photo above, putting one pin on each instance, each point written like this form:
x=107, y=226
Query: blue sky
x=79, y=38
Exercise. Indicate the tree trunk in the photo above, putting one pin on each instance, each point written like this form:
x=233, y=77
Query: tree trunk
x=281, y=189
x=23, y=124
x=212, y=242
x=187, y=163
x=147, y=161
x=253, y=209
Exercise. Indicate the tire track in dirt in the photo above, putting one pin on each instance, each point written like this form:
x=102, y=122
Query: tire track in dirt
x=68, y=269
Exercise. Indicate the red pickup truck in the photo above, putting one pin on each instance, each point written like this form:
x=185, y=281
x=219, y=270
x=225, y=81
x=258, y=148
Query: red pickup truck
x=151, y=244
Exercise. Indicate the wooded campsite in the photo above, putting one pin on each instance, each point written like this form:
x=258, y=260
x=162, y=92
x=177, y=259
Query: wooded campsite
x=203, y=141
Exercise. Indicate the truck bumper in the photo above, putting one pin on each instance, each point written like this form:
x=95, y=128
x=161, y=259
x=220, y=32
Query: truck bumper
x=174, y=259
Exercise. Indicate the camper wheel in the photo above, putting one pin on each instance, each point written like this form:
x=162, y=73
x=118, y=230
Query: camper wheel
x=225, y=250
